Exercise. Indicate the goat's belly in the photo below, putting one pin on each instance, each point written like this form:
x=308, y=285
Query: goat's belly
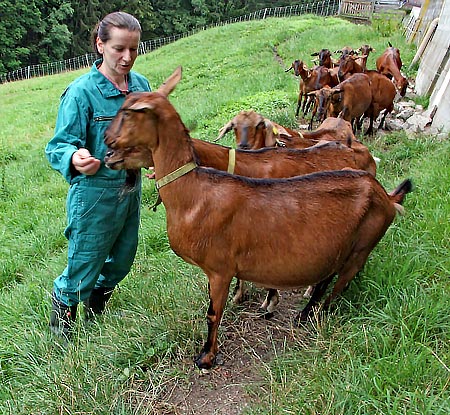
x=289, y=274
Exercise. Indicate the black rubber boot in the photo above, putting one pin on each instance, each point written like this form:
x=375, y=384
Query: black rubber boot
x=96, y=303
x=62, y=318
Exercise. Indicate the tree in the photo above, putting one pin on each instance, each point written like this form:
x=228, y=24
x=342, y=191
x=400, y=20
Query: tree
x=32, y=32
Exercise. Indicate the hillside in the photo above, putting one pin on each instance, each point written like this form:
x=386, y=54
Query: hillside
x=383, y=349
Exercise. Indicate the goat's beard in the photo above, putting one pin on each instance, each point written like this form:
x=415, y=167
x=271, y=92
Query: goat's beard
x=131, y=181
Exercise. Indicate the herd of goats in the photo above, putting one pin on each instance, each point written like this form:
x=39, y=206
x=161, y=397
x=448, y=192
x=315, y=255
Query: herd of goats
x=283, y=210
x=346, y=88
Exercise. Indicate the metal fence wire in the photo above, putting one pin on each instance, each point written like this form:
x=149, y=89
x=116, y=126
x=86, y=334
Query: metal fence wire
x=321, y=8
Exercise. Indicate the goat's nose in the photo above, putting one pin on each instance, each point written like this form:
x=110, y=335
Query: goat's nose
x=109, y=153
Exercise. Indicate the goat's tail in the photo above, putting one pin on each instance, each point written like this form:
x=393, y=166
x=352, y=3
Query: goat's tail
x=398, y=194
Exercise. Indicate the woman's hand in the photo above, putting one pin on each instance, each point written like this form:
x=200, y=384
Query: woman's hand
x=84, y=162
x=150, y=175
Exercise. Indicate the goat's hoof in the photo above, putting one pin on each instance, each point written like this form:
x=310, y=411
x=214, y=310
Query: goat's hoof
x=301, y=320
x=266, y=315
x=205, y=360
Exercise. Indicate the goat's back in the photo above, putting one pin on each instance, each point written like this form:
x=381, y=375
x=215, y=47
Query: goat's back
x=325, y=212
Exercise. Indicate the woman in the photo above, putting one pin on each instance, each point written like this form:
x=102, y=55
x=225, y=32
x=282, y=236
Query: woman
x=102, y=222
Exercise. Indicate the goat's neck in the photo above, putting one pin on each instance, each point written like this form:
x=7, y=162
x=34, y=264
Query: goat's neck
x=174, y=148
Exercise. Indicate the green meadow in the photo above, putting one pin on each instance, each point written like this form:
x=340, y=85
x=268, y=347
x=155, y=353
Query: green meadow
x=385, y=348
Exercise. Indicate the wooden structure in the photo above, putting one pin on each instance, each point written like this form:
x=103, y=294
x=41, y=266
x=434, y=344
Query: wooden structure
x=357, y=10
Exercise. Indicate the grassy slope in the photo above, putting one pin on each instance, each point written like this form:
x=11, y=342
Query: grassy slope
x=385, y=348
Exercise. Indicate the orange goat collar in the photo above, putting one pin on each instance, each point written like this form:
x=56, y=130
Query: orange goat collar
x=175, y=174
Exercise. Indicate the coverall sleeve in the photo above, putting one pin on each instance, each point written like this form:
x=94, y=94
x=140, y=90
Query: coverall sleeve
x=70, y=134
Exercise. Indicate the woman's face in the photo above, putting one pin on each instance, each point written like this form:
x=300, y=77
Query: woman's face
x=119, y=52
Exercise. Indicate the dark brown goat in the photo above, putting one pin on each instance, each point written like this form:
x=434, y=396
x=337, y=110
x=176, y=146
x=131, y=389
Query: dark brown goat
x=348, y=65
x=389, y=64
x=383, y=91
x=325, y=58
x=280, y=233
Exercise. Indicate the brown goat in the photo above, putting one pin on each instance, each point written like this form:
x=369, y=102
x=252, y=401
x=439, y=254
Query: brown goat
x=364, y=50
x=389, y=64
x=383, y=95
x=253, y=131
x=350, y=99
x=348, y=65
x=324, y=58
x=310, y=80
x=269, y=162
x=301, y=70
x=280, y=233
x=383, y=91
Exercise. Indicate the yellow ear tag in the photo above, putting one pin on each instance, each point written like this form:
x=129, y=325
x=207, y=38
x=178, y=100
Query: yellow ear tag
x=275, y=131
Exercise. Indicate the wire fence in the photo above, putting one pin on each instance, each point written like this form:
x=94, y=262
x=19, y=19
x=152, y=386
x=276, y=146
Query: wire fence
x=321, y=8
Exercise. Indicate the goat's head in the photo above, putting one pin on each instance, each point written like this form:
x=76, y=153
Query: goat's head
x=133, y=132
x=347, y=66
x=366, y=49
x=249, y=129
x=401, y=85
x=129, y=158
x=300, y=69
x=323, y=99
x=325, y=58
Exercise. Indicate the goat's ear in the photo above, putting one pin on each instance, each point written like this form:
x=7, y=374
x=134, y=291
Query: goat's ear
x=315, y=54
x=140, y=106
x=271, y=133
x=171, y=82
x=224, y=130
x=288, y=69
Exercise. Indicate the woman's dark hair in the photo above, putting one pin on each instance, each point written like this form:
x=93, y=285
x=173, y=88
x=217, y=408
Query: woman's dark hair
x=121, y=20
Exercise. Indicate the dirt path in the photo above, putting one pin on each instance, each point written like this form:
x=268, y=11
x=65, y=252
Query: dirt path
x=248, y=344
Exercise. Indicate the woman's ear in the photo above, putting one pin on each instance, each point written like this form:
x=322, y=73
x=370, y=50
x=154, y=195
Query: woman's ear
x=99, y=44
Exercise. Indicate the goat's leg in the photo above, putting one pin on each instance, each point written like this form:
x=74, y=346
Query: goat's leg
x=270, y=302
x=351, y=268
x=239, y=292
x=218, y=292
x=370, y=129
x=317, y=293
x=299, y=103
x=383, y=118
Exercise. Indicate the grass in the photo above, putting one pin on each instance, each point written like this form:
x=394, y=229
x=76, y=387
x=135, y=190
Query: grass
x=383, y=350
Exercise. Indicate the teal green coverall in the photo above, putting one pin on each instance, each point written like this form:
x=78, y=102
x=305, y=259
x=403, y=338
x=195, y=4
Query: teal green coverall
x=102, y=227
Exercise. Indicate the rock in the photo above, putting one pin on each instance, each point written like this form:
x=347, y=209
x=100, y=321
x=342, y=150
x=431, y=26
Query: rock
x=417, y=122
x=405, y=114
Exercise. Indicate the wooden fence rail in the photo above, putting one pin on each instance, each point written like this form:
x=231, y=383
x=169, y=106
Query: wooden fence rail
x=359, y=10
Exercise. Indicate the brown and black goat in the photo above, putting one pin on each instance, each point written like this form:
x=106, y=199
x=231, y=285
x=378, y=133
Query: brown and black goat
x=279, y=233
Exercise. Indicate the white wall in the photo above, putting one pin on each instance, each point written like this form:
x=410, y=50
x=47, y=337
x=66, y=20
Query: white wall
x=433, y=77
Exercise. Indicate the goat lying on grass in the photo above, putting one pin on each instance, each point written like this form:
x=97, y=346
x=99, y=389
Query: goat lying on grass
x=279, y=233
